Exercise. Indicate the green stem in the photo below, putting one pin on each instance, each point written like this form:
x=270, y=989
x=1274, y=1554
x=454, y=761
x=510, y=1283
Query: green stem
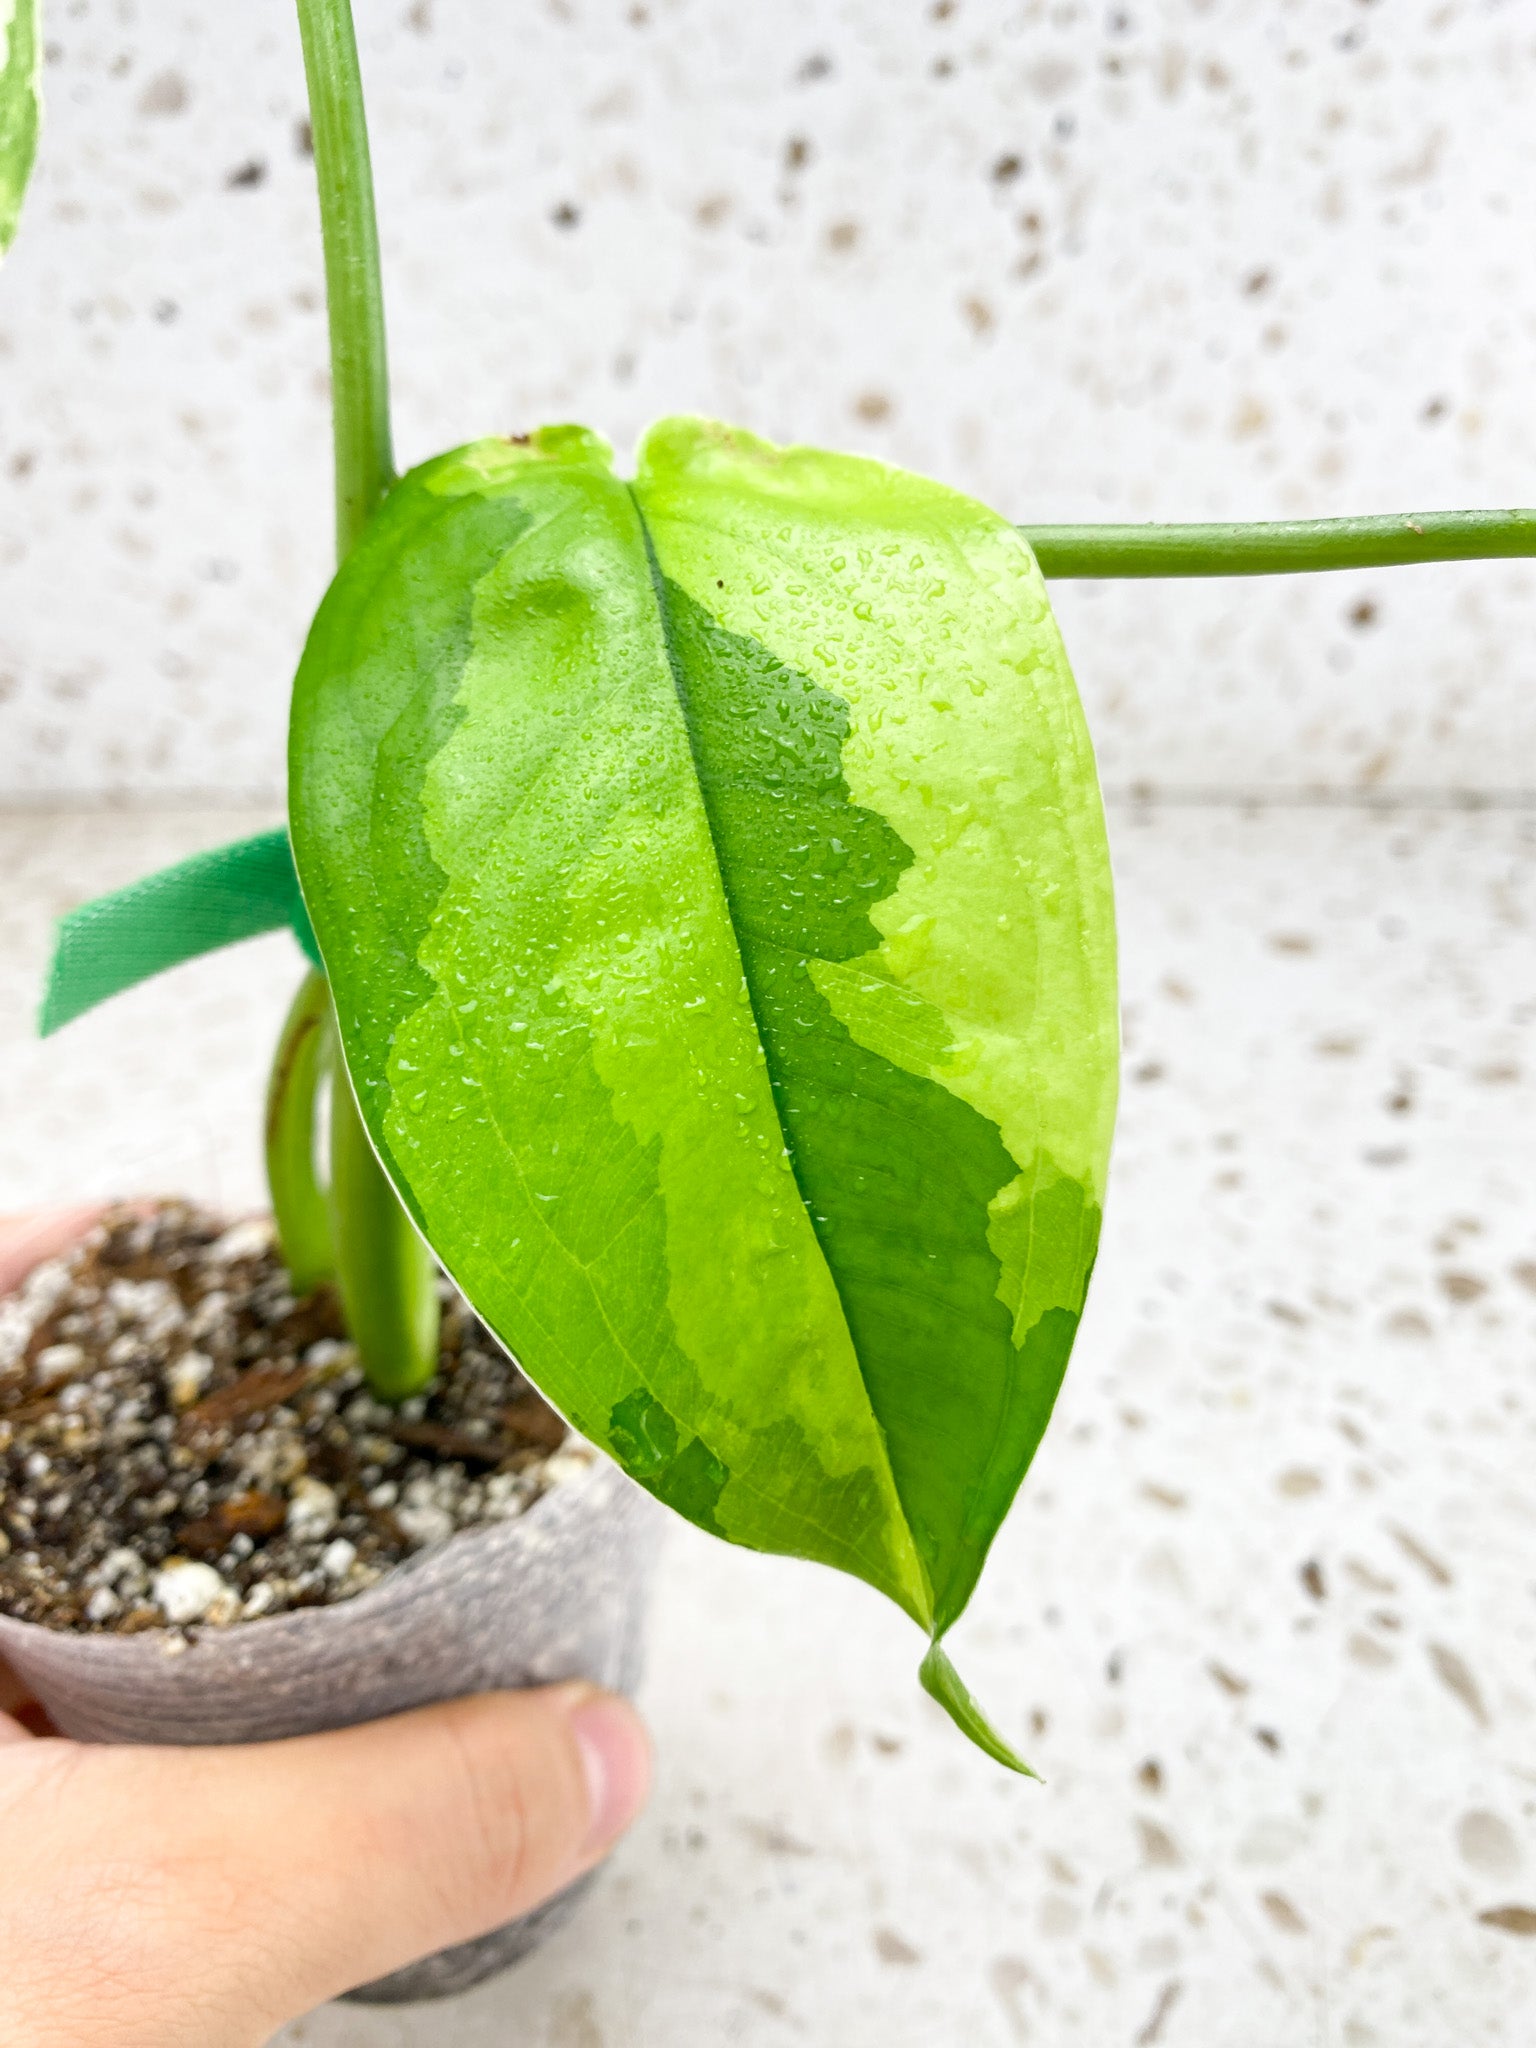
x=386, y=1275
x=1282, y=547
x=353, y=291
x=384, y=1271
x=298, y=1201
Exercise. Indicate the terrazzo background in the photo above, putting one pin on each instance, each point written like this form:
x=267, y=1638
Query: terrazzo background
x=1176, y=258
x=1265, y=1614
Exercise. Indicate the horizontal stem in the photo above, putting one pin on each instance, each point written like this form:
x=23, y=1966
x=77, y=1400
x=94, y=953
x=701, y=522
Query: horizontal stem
x=1282, y=547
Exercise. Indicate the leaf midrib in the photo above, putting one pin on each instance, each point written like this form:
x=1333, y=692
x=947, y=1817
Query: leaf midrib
x=738, y=924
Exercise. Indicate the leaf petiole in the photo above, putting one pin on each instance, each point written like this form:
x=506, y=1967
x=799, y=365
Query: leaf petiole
x=1282, y=547
x=354, y=291
x=298, y=1201
x=386, y=1275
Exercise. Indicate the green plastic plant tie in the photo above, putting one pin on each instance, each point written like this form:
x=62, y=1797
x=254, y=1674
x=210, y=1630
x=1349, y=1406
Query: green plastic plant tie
x=214, y=899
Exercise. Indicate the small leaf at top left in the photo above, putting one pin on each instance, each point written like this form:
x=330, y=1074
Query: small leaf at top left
x=20, y=108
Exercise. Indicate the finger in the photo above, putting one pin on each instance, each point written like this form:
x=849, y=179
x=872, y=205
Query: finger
x=283, y=1873
x=28, y=1239
x=15, y=1699
x=21, y=1716
x=20, y=1723
x=445, y=1823
x=12, y=1700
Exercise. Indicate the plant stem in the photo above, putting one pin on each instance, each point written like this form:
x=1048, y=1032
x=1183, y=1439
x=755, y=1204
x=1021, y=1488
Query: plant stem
x=386, y=1275
x=298, y=1201
x=353, y=291
x=384, y=1271
x=1282, y=547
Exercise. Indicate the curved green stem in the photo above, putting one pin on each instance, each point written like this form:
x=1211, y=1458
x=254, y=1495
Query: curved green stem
x=353, y=291
x=387, y=1276
x=1282, y=547
x=298, y=1202
x=384, y=1272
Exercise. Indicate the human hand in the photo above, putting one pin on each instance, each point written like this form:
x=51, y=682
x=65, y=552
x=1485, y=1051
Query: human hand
x=198, y=1898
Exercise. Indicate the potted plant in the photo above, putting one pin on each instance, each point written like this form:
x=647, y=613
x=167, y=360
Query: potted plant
x=712, y=971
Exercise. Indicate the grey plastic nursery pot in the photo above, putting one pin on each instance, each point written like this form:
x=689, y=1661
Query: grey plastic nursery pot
x=560, y=1592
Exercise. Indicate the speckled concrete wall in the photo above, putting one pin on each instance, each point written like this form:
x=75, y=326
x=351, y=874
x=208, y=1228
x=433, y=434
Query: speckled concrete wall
x=1172, y=258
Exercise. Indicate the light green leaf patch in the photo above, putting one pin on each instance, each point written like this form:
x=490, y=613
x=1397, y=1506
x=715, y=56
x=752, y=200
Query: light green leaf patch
x=20, y=108
x=712, y=882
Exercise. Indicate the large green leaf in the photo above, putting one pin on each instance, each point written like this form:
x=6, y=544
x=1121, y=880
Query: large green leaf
x=20, y=108
x=712, y=880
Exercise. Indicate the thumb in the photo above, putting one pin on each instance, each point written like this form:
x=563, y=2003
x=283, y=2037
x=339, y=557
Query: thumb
x=219, y=1892
x=26, y=1240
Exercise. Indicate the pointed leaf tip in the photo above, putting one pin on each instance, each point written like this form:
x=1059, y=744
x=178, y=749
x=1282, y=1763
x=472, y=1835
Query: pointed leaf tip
x=941, y=1681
